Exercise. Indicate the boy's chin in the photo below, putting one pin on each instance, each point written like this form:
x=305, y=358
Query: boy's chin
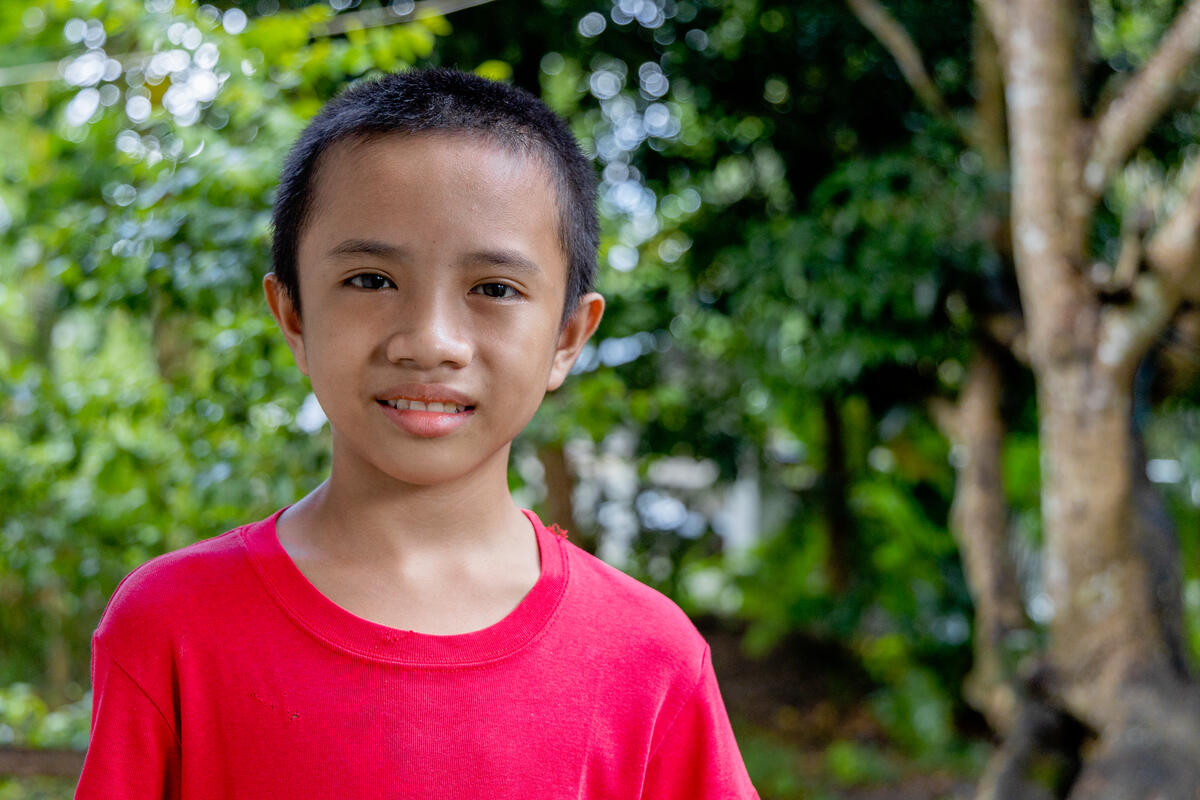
x=433, y=471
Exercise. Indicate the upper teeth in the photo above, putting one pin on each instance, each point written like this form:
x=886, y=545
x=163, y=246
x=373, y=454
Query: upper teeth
x=417, y=405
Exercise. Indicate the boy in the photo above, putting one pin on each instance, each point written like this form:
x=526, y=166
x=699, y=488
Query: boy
x=405, y=631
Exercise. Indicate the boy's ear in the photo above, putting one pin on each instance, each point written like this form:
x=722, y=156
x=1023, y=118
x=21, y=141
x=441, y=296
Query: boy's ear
x=579, y=328
x=288, y=317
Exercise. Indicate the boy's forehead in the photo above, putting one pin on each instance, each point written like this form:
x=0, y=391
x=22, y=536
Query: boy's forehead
x=470, y=153
x=358, y=167
x=468, y=149
x=362, y=174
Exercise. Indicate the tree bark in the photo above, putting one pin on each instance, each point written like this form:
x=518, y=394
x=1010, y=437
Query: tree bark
x=560, y=485
x=979, y=521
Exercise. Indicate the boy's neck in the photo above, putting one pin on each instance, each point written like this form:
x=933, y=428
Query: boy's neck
x=445, y=559
x=372, y=519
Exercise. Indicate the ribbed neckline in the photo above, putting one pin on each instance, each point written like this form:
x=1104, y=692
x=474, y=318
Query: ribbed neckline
x=326, y=620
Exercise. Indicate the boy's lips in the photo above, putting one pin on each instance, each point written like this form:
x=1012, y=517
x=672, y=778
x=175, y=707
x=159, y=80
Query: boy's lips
x=426, y=410
x=425, y=393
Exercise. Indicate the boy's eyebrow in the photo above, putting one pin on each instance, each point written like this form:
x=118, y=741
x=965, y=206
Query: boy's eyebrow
x=370, y=247
x=504, y=258
x=373, y=247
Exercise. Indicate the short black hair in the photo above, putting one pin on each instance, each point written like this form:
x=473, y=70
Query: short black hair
x=442, y=100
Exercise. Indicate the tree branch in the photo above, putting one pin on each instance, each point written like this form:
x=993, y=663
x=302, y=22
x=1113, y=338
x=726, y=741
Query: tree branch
x=1174, y=250
x=895, y=39
x=1008, y=331
x=996, y=14
x=1173, y=256
x=1135, y=224
x=1126, y=332
x=1125, y=122
x=389, y=15
x=989, y=130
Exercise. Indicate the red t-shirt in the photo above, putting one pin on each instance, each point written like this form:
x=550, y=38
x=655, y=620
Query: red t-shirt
x=220, y=671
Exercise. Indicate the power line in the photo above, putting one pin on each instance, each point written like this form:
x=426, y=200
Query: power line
x=21, y=74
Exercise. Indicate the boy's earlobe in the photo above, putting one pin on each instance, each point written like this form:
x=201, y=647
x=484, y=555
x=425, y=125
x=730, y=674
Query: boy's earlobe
x=284, y=310
x=574, y=335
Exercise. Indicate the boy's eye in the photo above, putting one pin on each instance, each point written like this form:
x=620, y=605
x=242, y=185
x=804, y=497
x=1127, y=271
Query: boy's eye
x=370, y=280
x=499, y=290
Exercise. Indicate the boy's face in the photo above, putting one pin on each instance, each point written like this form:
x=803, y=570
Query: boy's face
x=430, y=272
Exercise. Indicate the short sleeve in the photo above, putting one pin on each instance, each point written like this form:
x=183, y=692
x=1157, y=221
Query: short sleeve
x=132, y=752
x=698, y=758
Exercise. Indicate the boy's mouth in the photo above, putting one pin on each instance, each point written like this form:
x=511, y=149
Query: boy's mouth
x=439, y=411
x=431, y=398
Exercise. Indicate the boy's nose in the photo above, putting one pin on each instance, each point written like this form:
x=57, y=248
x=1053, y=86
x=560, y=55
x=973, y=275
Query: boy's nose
x=430, y=336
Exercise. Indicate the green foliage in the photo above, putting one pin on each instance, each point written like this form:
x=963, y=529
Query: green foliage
x=772, y=766
x=915, y=709
x=1126, y=31
x=151, y=403
x=851, y=764
x=148, y=399
x=36, y=789
x=24, y=717
x=791, y=252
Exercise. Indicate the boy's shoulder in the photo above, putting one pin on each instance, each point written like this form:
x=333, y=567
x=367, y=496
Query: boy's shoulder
x=175, y=586
x=621, y=591
x=622, y=607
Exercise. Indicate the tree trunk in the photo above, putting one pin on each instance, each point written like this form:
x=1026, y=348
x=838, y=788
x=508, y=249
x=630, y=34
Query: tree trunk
x=57, y=657
x=560, y=485
x=979, y=521
x=1111, y=664
x=1103, y=628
